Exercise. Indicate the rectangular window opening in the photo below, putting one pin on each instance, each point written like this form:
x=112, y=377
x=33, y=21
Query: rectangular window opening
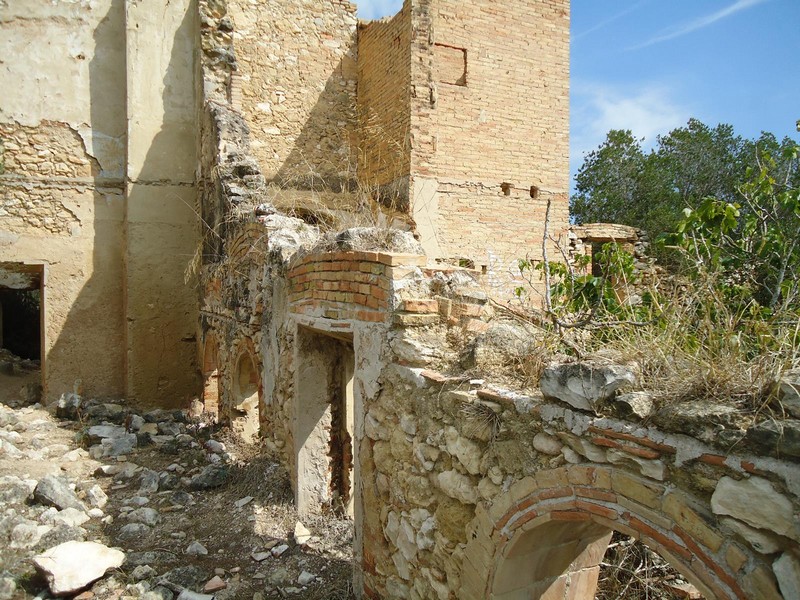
x=450, y=64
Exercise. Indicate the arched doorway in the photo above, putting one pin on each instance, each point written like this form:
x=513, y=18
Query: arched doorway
x=246, y=394
x=546, y=536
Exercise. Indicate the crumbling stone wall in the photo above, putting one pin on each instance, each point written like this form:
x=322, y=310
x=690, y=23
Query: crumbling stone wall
x=295, y=84
x=462, y=489
x=472, y=491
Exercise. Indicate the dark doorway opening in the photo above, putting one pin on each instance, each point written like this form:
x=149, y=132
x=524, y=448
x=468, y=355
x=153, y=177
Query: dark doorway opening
x=21, y=327
x=22, y=303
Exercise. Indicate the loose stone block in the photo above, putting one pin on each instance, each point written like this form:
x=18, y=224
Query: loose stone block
x=756, y=502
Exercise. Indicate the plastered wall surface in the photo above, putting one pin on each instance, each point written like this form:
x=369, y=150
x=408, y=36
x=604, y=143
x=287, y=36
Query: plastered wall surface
x=61, y=196
x=97, y=99
x=161, y=301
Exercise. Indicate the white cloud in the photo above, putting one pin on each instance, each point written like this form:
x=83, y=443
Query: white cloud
x=375, y=9
x=648, y=111
x=700, y=23
x=609, y=20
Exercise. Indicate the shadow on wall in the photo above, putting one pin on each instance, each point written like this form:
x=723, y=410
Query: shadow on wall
x=324, y=157
x=90, y=344
x=139, y=249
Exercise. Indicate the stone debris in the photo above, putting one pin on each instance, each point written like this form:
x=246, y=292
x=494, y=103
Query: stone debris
x=190, y=595
x=96, y=496
x=71, y=566
x=55, y=491
x=145, y=516
x=196, y=548
x=71, y=517
x=133, y=531
x=143, y=572
x=214, y=446
x=584, y=385
x=68, y=406
x=214, y=584
x=306, y=578
x=790, y=392
x=14, y=490
x=243, y=501
x=301, y=534
x=211, y=476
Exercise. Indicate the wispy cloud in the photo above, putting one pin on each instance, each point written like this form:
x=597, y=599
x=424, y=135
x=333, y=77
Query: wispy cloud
x=648, y=110
x=609, y=20
x=700, y=23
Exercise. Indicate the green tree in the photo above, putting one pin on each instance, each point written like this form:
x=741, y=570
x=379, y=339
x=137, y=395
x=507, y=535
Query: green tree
x=751, y=242
x=608, y=185
x=619, y=182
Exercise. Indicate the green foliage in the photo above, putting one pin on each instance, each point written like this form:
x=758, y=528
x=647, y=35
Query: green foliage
x=751, y=247
x=620, y=182
x=593, y=290
x=725, y=322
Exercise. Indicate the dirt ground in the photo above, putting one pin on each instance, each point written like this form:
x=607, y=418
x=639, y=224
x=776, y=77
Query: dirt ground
x=246, y=525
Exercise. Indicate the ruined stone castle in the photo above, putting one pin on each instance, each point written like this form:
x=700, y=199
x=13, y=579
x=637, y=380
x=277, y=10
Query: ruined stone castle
x=296, y=219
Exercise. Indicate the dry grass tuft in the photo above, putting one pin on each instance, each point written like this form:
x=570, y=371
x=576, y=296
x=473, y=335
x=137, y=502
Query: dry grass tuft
x=482, y=421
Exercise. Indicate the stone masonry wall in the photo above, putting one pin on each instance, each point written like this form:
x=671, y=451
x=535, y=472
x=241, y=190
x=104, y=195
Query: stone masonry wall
x=472, y=491
x=296, y=87
x=384, y=73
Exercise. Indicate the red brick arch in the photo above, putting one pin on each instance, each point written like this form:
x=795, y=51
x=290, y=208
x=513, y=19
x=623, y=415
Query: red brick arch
x=545, y=537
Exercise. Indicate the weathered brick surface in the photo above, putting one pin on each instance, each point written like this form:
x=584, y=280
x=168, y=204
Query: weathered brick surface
x=505, y=123
x=384, y=96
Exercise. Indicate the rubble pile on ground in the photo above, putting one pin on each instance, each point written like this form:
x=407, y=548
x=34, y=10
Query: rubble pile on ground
x=99, y=501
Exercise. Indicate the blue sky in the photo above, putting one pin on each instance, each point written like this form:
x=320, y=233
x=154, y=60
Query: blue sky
x=650, y=65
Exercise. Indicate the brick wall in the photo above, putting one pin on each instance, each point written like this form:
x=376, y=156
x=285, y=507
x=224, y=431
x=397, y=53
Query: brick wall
x=490, y=106
x=509, y=121
x=345, y=285
x=384, y=71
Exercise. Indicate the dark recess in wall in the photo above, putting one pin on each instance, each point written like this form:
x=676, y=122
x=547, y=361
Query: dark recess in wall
x=21, y=322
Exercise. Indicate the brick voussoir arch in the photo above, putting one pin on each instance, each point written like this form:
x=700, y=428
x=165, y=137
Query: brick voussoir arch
x=599, y=498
